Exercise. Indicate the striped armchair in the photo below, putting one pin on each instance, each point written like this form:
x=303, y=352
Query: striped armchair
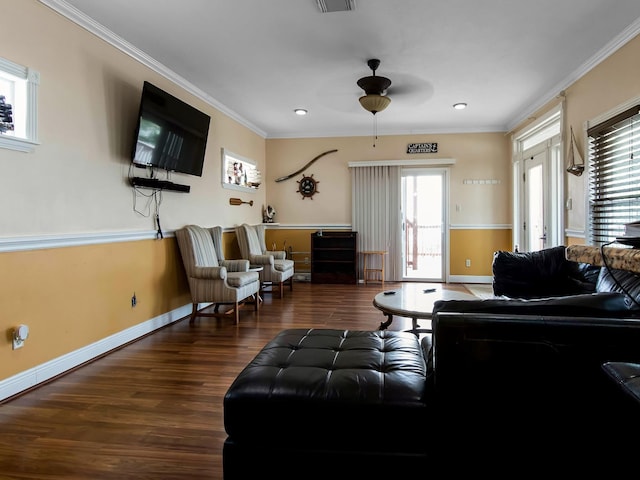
x=277, y=269
x=214, y=280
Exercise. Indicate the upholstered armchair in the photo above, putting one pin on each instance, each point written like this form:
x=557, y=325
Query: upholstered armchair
x=277, y=269
x=213, y=280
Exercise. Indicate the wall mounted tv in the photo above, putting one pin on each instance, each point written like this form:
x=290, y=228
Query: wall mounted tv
x=170, y=134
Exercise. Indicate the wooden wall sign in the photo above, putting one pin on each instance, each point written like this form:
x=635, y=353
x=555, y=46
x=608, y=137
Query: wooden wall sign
x=422, y=148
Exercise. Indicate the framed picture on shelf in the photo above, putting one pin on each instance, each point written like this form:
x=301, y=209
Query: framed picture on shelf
x=239, y=173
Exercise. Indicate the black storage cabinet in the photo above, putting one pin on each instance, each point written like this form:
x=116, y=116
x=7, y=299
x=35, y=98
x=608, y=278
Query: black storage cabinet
x=334, y=257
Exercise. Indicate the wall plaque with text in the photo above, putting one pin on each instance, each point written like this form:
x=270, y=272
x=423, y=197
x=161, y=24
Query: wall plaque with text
x=422, y=148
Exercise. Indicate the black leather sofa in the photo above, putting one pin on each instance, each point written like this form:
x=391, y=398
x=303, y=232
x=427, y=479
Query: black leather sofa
x=529, y=364
x=626, y=377
x=501, y=385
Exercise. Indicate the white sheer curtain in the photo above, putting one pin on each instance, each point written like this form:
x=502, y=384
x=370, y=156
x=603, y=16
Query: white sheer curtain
x=376, y=215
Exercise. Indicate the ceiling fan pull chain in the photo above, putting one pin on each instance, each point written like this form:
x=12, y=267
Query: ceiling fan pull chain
x=374, y=100
x=375, y=130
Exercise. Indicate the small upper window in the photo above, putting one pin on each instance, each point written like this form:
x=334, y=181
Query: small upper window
x=18, y=106
x=614, y=175
x=239, y=173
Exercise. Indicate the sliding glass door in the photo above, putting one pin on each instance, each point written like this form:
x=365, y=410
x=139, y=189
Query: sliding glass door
x=535, y=202
x=423, y=224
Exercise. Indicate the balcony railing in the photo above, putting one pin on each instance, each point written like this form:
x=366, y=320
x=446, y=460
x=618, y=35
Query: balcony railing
x=423, y=245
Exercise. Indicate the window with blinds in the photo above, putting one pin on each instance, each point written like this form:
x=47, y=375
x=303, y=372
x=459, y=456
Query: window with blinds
x=614, y=176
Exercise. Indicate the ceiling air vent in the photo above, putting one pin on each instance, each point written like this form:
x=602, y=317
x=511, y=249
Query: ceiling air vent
x=327, y=6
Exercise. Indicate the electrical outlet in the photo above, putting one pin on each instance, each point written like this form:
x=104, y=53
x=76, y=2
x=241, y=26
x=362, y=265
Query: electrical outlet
x=20, y=334
x=467, y=262
x=134, y=301
x=306, y=260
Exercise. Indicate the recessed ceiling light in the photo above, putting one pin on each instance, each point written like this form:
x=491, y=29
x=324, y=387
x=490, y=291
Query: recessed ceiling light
x=300, y=111
x=459, y=106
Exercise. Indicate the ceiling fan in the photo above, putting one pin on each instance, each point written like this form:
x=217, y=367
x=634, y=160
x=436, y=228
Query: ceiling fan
x=375, y=99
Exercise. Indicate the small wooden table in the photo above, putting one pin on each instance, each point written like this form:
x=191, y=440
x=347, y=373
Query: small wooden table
x=378, y=273
x=415, y=301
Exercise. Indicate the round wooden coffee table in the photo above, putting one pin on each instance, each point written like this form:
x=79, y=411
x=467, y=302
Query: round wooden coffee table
x=414, y=300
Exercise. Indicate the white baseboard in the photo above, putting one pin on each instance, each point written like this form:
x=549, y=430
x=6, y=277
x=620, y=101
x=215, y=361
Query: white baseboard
x=455, y=279
x=470, y=279
x=46, y=371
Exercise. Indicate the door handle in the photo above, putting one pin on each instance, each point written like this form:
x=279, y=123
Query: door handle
x=544, y=235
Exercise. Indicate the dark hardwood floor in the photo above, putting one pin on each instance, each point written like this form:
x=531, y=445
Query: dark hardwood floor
x=153, y=409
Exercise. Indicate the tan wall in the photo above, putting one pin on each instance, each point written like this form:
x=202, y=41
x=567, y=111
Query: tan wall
x=297, y=243
x=75, y=182
x=477, y=246
x=478, y=156
x=575, y=241
x=608, y=85
x=76, y=179
x=297, y=240
x=72, y=297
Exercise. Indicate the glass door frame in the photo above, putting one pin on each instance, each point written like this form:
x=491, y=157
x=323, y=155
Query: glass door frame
x=536, y=201
x=546, y=133
x=443, y=174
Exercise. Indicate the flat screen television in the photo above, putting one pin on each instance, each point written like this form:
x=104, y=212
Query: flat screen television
x=170, y=134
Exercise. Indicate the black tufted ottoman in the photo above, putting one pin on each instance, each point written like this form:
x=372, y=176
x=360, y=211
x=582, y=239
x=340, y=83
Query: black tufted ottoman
x=320, y=398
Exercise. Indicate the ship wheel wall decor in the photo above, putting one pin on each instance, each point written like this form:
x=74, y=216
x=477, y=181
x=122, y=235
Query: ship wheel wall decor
x=307, y=186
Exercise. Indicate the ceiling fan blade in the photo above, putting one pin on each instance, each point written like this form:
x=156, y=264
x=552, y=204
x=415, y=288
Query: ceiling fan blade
x=395, y=90
x=410, y=87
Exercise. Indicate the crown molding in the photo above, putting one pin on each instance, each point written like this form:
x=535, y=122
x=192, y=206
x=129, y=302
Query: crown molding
x=609, y=49
x=99, y=30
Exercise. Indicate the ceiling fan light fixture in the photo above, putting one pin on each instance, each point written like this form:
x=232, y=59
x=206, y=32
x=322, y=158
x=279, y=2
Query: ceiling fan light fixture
x=374, y=87
x=374, y=103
